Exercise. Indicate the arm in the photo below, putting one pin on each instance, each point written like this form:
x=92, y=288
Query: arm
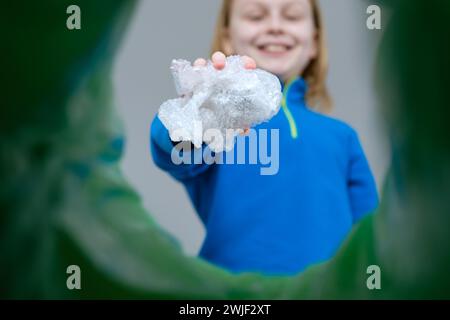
x=162, y=148
x=361, y=184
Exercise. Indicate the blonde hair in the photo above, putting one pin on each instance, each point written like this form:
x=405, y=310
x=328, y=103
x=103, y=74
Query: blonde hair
x=315, y=73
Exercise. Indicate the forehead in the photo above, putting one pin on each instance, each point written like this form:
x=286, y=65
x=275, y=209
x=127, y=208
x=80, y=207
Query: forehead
x=239, y=4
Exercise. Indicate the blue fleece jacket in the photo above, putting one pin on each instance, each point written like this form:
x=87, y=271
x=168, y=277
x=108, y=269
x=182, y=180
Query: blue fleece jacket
x=298, y=215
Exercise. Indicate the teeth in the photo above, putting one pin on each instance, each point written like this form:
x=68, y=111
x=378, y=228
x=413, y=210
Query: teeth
x=275, y=48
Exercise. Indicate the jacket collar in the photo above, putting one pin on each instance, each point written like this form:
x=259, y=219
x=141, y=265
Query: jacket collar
x=294, y=91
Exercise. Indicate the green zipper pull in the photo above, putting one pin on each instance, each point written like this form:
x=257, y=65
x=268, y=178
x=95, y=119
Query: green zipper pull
x=287, y=112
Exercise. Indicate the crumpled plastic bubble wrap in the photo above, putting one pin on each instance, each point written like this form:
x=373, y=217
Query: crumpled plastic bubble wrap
x=231, y=98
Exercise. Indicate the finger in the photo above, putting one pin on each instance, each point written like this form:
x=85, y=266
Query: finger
x=249, y=63
x=200, y=62
x=244, y=132
x=218, y=60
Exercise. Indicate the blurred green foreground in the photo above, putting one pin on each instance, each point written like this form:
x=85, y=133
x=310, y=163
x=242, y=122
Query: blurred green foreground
x=64, y=201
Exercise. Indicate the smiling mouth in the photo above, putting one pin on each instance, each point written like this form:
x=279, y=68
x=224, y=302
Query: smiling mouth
x=274, y=48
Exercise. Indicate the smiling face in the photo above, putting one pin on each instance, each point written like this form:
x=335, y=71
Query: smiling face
x=279, y=34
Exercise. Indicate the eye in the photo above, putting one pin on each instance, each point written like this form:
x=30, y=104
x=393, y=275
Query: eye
x=255, y=16
x=294, y=16
x=254, y=13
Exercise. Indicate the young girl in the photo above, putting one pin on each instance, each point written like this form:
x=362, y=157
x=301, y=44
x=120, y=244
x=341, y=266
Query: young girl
x=279, y=224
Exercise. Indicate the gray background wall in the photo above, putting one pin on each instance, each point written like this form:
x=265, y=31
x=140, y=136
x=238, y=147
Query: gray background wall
x=164, y=30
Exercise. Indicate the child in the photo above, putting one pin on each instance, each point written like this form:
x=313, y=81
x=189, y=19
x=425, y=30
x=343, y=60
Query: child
x=279, y=224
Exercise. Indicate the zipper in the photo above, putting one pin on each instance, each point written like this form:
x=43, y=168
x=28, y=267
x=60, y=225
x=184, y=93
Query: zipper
x=287, y=112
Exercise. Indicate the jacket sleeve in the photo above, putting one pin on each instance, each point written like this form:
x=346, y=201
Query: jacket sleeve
x=361, y=184
x=182, y=165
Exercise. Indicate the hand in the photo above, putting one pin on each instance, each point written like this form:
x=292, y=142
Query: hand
x=219, y=60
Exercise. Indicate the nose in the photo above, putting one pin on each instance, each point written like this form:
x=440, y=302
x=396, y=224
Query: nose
x=275, y=25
